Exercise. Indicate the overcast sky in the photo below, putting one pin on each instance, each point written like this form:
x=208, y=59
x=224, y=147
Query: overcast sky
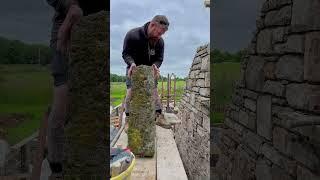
x=189, y=28
x=232, y=23
x=26, y=20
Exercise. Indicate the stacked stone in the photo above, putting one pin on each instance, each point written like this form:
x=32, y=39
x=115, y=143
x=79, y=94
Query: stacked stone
x=192, y=135
x=142, y=127
x=86, y=137
x=272, y=125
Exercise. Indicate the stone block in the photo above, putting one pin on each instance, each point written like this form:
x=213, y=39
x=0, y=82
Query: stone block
x=304, y=15
x=205, y=64
x=290, y=68
x=253, y=141
x=264, y=117
x=263, y=170
x=269, y=70
x=304, y=173
x=279, y=17
x=88, y=83
x=303, y=96
x=254, y=73
x=274, y=4
x=294, y=44
x=278, y=173
x=250, y=104
x=205, y=92
x=274, y=156
x=312, y=57
x=247, y=119
x=249, y=94
x=279, y=34
x=264, y=42
x=274, y=87
x=200, y=83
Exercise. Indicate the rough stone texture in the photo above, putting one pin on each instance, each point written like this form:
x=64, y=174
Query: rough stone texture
x=278, y=17
x=304, y=15
x=86, y=137
x=264, y=123
x=192, y=135
x=142, y=128
x=290, y=68
x=312, y=57
x=281, y=138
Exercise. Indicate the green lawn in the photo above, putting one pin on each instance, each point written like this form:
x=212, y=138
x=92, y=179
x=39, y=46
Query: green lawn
x=24, y=89
x=118, y=91
x=223, y=77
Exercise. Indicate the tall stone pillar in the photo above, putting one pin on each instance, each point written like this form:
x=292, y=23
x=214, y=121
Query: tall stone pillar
x=142, y=128
x=86, y=132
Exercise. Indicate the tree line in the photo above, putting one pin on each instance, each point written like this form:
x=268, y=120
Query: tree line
x=219, y=56
x=18, y=52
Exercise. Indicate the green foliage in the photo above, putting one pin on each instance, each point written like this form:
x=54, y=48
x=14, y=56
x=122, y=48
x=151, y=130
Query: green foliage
x=219, y=56
x=222, y=80
x=24, y=89
x=17, y=52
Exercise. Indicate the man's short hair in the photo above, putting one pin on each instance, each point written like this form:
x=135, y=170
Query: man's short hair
x=161, y=20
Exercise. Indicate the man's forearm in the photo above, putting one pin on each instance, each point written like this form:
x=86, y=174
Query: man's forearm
x=128, y=59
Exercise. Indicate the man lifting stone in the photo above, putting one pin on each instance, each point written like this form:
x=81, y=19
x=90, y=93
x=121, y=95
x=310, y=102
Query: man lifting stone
x=145, y=46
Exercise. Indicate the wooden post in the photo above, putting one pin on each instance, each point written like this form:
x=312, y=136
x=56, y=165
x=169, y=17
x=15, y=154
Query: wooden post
x=162, y=90
x=168, y=93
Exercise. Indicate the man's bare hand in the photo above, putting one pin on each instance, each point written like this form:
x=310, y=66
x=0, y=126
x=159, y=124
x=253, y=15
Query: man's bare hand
x=131, y=69
x=156, y=71
x=73, y=16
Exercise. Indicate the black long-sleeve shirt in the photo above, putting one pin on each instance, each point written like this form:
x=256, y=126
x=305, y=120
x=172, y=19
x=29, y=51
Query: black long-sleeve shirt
x=138, y=49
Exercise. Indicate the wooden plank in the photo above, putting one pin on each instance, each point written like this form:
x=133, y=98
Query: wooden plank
x=169, y=163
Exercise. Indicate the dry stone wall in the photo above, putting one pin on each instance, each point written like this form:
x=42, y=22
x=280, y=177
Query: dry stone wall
x=272, y=126
x=192, y=135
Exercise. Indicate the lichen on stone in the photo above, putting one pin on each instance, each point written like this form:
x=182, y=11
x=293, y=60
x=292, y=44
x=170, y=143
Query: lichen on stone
x=142, y=112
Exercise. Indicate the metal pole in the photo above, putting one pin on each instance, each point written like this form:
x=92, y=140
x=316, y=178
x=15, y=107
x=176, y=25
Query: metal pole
x=168, y=92
x=162, y=90
x=174, y=90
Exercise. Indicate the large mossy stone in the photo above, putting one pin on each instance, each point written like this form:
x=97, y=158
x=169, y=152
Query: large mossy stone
x=142, y=128
x=86, y=146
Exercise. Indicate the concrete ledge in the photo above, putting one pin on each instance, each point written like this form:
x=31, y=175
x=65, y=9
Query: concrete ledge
x=169, y=163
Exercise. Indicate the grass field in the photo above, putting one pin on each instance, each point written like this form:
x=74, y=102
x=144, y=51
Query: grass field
x=118, y=91
x=224, y=76
x=24, y=89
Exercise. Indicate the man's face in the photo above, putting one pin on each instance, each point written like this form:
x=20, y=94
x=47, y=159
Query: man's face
x=156, y=30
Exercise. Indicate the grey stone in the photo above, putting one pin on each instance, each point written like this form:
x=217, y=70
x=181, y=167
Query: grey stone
x=248, y=120
x=279, y=101
x=88, y=77
x=207, y=79
x=278, y=173
x=237, y=100
x=264, y=121
x=300, y=123
x=274, y=4
x=278, y=159
x=253, y=141
x=200, y=83
x=254, y=73
x=263, y=170
x=312, y=57
x=294, y=44
x=196, y=60
x=302, y=96
x=279, y=17
x=205, y=92
x=264, y=42
x=249, y=94
x=290, y=68
x=205, y=65
x=142, y=128
x=4, y=150
x=250, y=104
x=304, y=15
x=279, y=34
x=304, y=173
x=269, y=70
x=274, y=87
